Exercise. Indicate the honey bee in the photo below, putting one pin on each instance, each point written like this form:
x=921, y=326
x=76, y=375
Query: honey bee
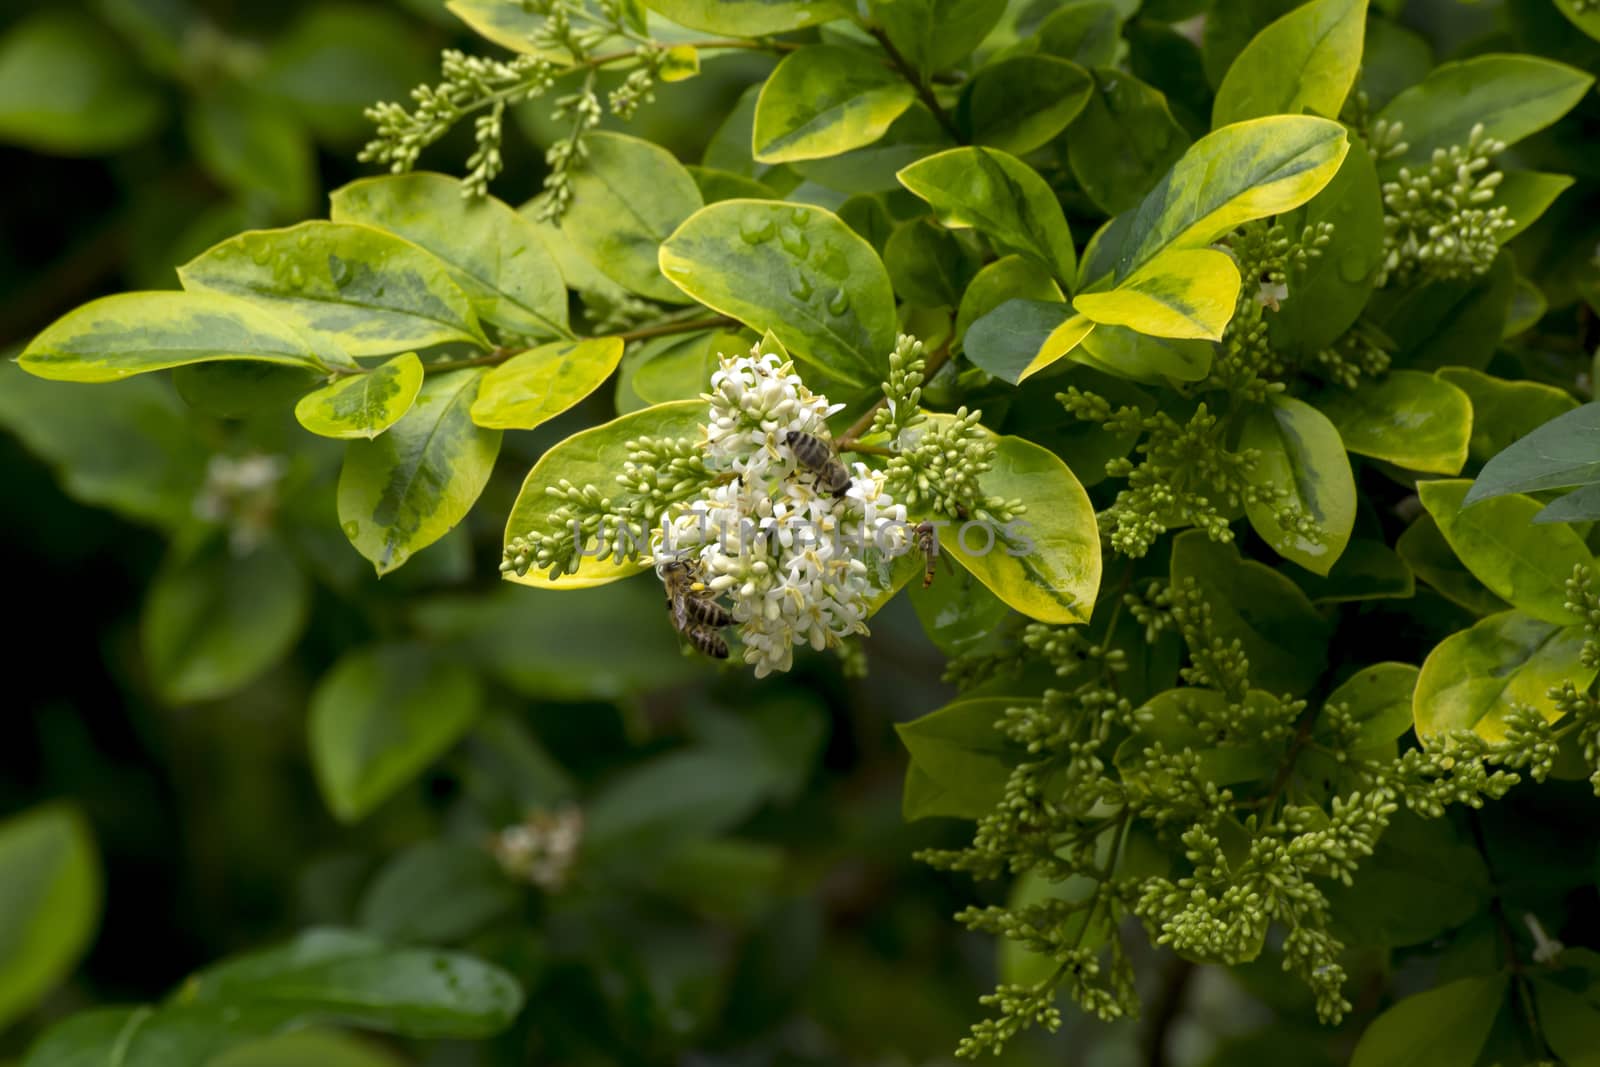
x=928, y=545
x=818, y=456
x=696, y=613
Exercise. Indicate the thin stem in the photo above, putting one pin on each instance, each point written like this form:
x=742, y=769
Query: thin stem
x=1521, y=988
x=847, y=440
x=920, y=84
x=500, y=355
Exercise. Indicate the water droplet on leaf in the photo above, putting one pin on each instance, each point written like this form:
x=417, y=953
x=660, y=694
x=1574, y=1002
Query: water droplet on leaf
x=800, y=286
x=839, y=302
x=794, y=242
x=756, y=228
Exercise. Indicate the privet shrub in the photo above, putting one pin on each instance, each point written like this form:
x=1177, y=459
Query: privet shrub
x=1151, y=354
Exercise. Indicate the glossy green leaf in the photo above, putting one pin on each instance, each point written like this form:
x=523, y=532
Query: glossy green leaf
x=1411, y=419
x=217, y=617
x=872, y=168
x=1284, y=637
x=1137, y=357
x=1504, y=411
x=50, y=889
x=67, y=86
x=334, y=974
x=1472, y=678
x=928, y=264
x=363, y=405
x=1366, y=570
x=1429, y=556
x=1421, y=881
x=1526, y=565
x=1123, y=142
x=436, y=892
x=1580, y=505
x=935, y=34
x=1328, y=292
x=1568, y=1020
x=748, y=18
x=325, y=1048
x=593, y=457
x=1002, y=197
x=1441, y=1027
x=718, y=185
x=1585, y=17
x=380, y=717
x=1010, y=277
x=1527, y=195
x=1022, y=337
x=1378, y=700
x=494, y=254
x=1174, y=720
x=1455, y=323
x=535, y=386
x=1183, y=293
x=796, y=270
x=627, y=197
x=132, y=333
x=1245, y=171
x=1088, y=32
x=959, y=760
x=404, y=490
x=1304, y=62
x=1564, y=452
x=680, y=371
x=1303, y=458
x=1046, y=562
x=1528, y=306
x=1231, y=27
x=1511, y=96
x=823, y=100
x=1020, y=103
x=374, y=292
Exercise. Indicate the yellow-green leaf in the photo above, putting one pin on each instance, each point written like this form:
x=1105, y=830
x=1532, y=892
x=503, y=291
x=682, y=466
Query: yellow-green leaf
x=373, y=292
x=363, y=405
x=494, y=253
x=50, y=883
x=1306, y=61
x=1022, y=102
x=1472, y=678
x=1007, y=278
x=1302, y=457
x=1187, y=293
x=1410, y=419
x=1140, y=358
x=1046, y=563
x=748, y=18
x=132, y=333
x=823, y=100
x=1022, y=337
x=539, y=384
x=404, y=490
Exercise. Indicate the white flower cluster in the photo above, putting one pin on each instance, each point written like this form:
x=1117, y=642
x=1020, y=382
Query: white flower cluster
x=795, y=563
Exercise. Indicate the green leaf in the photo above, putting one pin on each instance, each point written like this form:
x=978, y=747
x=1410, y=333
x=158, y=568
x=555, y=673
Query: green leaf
x=494, y=254
x=1421, y=881
x=1328, y=292
x=796, y=270
x=1303, y=458
x=403, y=491
x=653, y=808
x=593, y=457
x=716, y=185
x=1022, y=337
x=928, y=264
x=363, y=405
x=1504, y=411
x=333, y=974
x=1528, y=306
x=1582, y=505
x=1245, y=171
x=935, y=34
x=1171, y=718
x=254, y=147
x=1231, y=27
x=68, y=87
x=50, y=893
x=1002, y=197
x=132, y=333
x=1284, y=637
x=627, y=197
x=1045, y=563
x=372, y=291
x=1428, y=554
x=872, y=168
x=1411, y=419
x=959, y=760
x=1527, y=195
x=1186, y=293
x=1020, y=103
x=1558, y=455
x=216, y=618
x=1087, y=32
x=325, y=1048
x=1366, y=570
x=748, y=18
x=1306, y=61
x=679, y=368
x=380, y=717
x=534, y=386
x=1137, y=357
x=1378, y=699
x=823, y=100
x=1512, y=96
x=1007, y=278
x=1498, y=543
x=238, y=389
x=1568, y=1021
x=1443, y=1027
x=1017, y=963
x=1123, y=142
x=1472, y=678
x=134, y=450
x=436, y=892
x=1586, y=19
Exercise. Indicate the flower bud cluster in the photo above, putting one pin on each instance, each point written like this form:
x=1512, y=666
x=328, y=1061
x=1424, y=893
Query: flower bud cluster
x=1438, y=222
